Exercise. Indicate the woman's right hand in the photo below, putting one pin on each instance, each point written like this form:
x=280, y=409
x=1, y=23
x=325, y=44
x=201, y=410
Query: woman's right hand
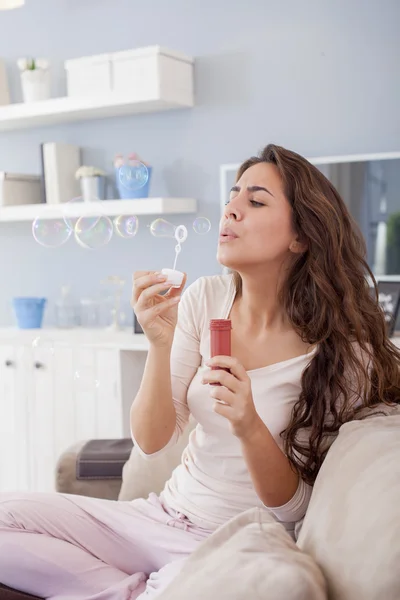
x=157, y=314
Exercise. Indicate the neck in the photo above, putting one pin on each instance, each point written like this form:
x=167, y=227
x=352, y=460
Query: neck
x=257, y=305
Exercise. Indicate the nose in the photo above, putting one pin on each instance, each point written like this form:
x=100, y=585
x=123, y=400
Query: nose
x=232, y=211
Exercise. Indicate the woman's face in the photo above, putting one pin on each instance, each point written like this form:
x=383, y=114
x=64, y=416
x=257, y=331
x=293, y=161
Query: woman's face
x=256, y=228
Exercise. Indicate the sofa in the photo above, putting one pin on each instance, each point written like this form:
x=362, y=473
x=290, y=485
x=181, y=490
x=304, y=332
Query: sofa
x=347, y=546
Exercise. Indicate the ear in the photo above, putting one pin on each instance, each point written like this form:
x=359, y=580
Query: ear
x=297, y=247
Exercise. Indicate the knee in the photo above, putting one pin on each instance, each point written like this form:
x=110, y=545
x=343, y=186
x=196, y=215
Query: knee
x=13, y=506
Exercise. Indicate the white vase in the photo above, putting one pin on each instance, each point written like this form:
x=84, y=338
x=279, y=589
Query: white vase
x=93, y=188
x=35, y=85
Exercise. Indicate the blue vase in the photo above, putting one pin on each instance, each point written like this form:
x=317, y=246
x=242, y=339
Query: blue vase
x=127, y=194
x=29, y=312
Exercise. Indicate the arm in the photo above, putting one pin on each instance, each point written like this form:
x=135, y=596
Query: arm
x=160, y=413
x=276, y=484
x=279, y=488
x=154, y=398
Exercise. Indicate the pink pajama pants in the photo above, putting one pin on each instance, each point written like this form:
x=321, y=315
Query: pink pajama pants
x=68, y=547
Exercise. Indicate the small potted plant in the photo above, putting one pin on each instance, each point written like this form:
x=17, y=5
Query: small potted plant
x=93, y=183
x=35, y=79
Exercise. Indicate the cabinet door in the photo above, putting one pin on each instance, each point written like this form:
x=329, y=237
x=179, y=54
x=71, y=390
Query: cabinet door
x=109, y=413
x=98, y=412
x=64, y=401
x=42, y=416
x=14, y=419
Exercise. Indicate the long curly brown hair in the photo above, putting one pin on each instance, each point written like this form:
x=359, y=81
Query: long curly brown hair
x=328, y=300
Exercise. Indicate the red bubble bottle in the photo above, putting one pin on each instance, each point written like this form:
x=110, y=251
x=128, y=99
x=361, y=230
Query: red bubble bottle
x=220, y=340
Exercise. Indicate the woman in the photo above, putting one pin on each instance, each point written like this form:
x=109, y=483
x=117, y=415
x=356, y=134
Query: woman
x=309, y=352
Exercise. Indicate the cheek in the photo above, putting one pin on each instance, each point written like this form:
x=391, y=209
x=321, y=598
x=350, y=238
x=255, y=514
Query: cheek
x=273, y=234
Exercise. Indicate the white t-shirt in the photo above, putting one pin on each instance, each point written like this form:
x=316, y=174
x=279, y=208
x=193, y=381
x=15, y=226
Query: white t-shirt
x=212, y=484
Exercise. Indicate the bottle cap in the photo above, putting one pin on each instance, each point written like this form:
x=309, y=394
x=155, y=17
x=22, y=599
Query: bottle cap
x=220, y=324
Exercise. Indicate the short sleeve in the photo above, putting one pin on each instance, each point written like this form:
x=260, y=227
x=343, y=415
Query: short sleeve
x=296, y=507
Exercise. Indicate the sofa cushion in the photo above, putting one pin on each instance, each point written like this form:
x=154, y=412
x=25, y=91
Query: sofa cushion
x=251, y=557
x=68, y=483
x=103, y=459
x=141, y=475
x=352, y=526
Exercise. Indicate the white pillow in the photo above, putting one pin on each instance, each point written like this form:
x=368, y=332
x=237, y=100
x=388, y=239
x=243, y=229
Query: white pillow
x=251, y=557
x=352, y=526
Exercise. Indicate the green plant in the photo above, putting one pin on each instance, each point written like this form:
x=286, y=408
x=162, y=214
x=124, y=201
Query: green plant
x=32, y=64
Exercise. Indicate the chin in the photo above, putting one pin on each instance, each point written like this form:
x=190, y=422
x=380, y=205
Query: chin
x=228, y=261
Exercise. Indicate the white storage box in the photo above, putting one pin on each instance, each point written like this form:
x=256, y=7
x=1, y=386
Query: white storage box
x=89, y=75
x=16, y=189
x=153, y=72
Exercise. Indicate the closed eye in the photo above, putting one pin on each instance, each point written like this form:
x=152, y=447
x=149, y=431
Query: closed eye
x=252, y=202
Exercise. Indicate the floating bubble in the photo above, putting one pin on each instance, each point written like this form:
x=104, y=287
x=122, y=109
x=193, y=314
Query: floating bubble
x=134, y=175
x=201, y=225
x=86, y=381
x=162, y=228
x=126, y=226
x=51, y=233
x=43, y=343
x=71, y=212
x=92, y=232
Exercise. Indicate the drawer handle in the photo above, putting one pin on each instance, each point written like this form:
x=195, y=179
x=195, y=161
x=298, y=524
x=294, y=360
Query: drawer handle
x=9, y=363
x=39, y=365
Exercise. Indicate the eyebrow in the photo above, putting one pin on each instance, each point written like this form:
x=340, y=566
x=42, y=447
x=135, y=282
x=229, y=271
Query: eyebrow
x=253, y=188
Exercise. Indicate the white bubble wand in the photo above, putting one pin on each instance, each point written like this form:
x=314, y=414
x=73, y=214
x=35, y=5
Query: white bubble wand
x=174, y=277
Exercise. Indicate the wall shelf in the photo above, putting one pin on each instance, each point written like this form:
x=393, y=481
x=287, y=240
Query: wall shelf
x=67, y=110
x=142, y=206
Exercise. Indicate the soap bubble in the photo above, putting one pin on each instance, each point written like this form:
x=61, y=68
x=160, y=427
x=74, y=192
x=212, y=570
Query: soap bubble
x=51, y=233
x=86, y=381
x=134, y=175
x=71, y=211
x=162, y=228
x=93, y=232
x=201, y=225
x=126, y=226
x=43, y=343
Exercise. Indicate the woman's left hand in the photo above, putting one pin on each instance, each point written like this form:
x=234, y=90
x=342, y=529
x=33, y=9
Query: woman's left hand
x=234, y=398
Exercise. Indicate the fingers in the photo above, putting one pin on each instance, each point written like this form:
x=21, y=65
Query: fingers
x=177, y=291
x=223, y=395
x=223, y=378
x=231, y=363
x=150, y=292
x=152, y=313
x=143, y=280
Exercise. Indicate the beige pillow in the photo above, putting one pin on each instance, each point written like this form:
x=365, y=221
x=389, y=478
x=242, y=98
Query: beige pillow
x=251, y=557
x=352, y=526
x=140, y=476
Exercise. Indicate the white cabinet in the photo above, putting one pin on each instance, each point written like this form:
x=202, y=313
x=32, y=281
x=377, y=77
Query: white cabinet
x=54, y=395
x=14, y=420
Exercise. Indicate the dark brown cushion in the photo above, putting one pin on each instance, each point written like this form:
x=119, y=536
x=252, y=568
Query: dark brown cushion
x=7, y=593
x=103, y=459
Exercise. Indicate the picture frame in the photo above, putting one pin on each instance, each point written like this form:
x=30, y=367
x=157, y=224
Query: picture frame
x=389, y=300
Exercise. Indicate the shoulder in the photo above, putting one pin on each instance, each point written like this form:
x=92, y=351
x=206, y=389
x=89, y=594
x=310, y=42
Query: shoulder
x=209, y=290
x=206, y=298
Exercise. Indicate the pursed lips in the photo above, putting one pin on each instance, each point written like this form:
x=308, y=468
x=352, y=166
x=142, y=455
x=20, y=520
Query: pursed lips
x=227, y=235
